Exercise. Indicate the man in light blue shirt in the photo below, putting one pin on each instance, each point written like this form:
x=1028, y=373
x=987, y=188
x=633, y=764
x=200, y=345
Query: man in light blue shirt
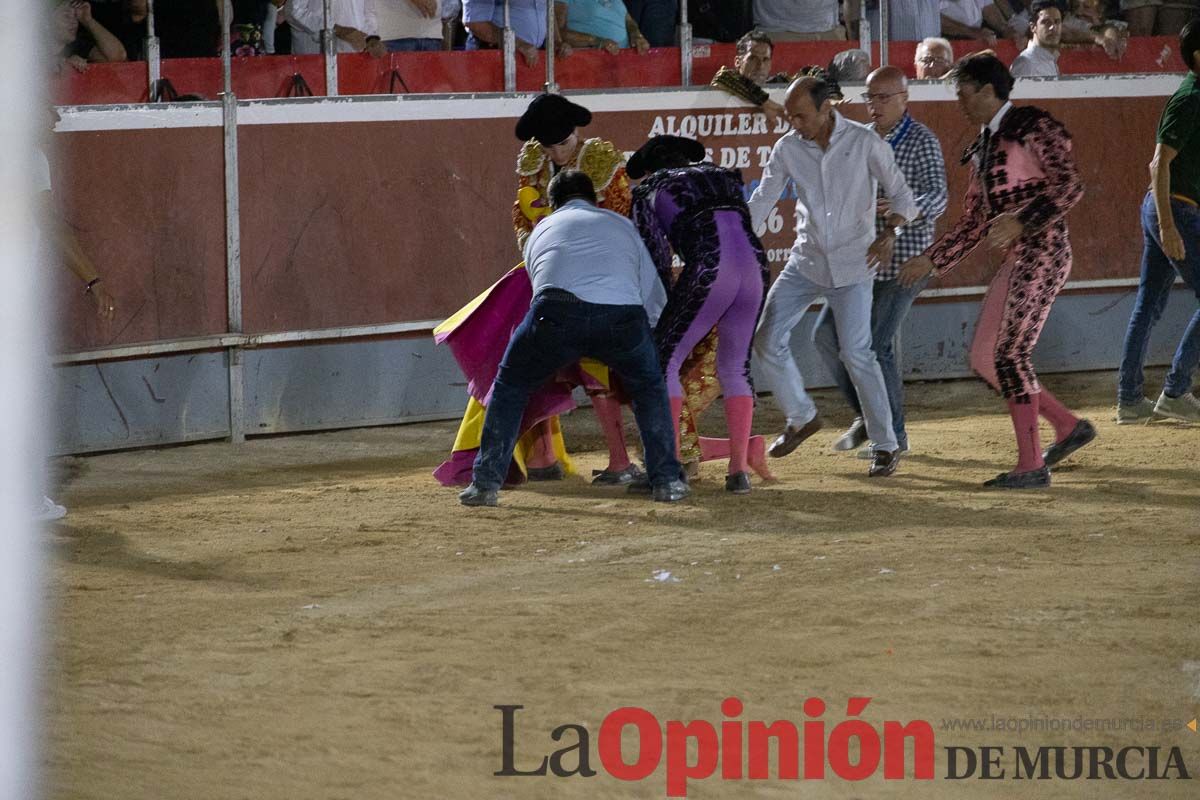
x=484, y=21
x=597, y=294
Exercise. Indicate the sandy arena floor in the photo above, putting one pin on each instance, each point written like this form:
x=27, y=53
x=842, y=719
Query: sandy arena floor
x=313, y=617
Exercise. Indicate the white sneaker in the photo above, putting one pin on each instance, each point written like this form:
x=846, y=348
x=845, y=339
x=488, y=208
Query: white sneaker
x=1185, y=408
x=853, y=436
x=49, y=511
x=1135, y=413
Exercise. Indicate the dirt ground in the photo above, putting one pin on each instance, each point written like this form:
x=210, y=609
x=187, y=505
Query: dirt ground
x=314, y=617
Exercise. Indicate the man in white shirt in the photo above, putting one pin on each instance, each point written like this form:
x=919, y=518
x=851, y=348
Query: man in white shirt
x=409, y=25
x=972, y=19
x=596, y=293
x=792, y=21
x=353, y=22
x=836, y=166
x=1039, y=59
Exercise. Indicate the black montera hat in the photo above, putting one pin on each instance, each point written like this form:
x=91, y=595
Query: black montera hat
x=650, y=156
x=550, y=119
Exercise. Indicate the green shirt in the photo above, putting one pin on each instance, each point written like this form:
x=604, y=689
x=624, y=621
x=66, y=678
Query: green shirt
x=1179, y=129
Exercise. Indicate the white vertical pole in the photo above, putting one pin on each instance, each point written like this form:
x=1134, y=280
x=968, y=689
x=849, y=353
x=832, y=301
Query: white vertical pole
x=153, y=54
x=510, y=51
x=233, y=237
x=685, y=45
x=864, y=29
x=884, y=11
x=24, y=359
x=329, y=48
x=551, y=31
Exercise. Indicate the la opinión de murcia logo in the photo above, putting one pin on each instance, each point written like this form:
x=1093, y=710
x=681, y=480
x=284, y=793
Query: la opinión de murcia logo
x=853, y=750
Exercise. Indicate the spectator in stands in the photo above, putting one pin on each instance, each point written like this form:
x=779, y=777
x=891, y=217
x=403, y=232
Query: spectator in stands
x=973, y=19
x=1171, y=232
x=808, y=21
x=78, y=39
x=353, y=21
x=850, y=66
x=751, y=69
x=605, y=24
x=409, y=25
x=1040, y=58
x=454, y=35
x=484, y=20
x=656, y=19
x=1157, y=17
x=934, y=58
x=185, y=28
x=908, y=20
x=1085, y=23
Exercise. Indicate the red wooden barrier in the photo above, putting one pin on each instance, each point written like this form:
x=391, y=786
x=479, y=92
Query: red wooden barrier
x=462, y=72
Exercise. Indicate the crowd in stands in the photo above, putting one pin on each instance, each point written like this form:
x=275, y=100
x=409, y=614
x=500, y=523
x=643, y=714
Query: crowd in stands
x=115, y=30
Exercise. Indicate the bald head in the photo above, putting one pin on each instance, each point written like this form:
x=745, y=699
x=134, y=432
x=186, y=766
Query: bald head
x=887, y=79
x=809, y=106
x=887, y=97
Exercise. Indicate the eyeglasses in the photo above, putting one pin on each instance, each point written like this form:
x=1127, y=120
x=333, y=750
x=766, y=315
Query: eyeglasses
x=931, y=61
x=878, y=97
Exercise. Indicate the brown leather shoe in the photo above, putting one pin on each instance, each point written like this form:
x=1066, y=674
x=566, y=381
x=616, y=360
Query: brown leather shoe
x=883, y=463
x=791, y=437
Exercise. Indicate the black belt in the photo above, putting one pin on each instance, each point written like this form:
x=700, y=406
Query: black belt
x=558, y=295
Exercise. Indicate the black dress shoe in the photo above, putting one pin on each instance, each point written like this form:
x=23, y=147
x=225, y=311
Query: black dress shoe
x=883, y=463
x=791, y=437
x=474, y=496
x=1033, y=479
x=620, y=477
x=671, y=492
x=1083, y=433
x=554, y=472
x=639, y=485
x=738, y=483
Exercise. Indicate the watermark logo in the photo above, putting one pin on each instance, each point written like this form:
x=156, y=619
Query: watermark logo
x=632, y=744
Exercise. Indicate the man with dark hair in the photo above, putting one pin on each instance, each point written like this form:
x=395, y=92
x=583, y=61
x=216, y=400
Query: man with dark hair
x=835, y=165
x=751, y=70
x=571, y=184
x=596, y=293
x=1171, y=231
x=1039, y=59
x=1023, y=183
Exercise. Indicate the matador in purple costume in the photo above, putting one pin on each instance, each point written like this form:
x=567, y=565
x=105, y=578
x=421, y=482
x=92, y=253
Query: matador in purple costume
x=699, y=212
x=1023, y=183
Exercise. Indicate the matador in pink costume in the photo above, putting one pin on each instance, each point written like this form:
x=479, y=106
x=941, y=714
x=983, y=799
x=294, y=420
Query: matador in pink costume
x=1023, y=183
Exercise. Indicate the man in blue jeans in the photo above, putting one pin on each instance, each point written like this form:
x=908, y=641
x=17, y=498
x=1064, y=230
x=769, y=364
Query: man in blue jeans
x=919, y=156
x=596, y=293
x=1171, y=230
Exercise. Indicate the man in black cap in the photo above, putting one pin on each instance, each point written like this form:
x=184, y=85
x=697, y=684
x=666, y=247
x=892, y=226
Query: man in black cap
x=551, y=144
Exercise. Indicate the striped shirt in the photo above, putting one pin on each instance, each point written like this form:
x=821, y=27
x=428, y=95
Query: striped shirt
x=919, y=156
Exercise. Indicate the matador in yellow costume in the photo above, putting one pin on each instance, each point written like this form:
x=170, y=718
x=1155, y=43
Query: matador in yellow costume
x=479, y=332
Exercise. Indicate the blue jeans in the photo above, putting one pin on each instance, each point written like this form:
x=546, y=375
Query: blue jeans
x=787, y=302
x=412, y=45
x=889, y=306
x=656, y=19
x=1158, y=273
x=559, y=330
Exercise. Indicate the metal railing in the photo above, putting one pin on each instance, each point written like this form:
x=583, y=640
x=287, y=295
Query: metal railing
x=329, y=46
x=234, y=341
